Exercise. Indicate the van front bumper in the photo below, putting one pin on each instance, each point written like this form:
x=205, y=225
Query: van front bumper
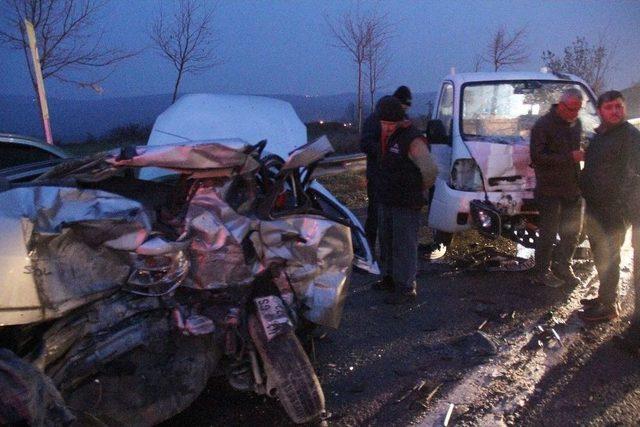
x=510, y=214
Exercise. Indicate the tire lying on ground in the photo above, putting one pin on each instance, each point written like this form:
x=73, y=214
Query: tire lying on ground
x=139, y=371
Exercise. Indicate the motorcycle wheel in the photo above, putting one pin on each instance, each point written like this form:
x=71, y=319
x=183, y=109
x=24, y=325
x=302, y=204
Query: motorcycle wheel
x=290, y=375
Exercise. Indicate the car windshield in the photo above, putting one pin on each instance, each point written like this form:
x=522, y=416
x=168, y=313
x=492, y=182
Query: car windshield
x=505, y=112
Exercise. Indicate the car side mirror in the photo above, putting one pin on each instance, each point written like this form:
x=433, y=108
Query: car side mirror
x=436, y=134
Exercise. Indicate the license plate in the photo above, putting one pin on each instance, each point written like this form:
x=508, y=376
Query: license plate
x=273, y=316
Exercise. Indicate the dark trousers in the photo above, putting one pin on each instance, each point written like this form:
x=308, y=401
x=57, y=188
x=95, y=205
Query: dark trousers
x=635, y=240
x=558, y=216
x=371, y=224
x=606, y=232
x=399, y=245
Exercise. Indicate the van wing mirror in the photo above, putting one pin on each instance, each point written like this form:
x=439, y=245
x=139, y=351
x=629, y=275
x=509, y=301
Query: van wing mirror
x=436, y=134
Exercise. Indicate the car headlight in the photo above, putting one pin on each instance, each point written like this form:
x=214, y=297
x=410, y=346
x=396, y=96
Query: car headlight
x=466, y=175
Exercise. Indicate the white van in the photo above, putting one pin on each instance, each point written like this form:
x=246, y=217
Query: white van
x=480, y=139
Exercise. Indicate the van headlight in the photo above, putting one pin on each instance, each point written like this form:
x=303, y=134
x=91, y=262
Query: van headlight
x=486, y=217
x=466, y=175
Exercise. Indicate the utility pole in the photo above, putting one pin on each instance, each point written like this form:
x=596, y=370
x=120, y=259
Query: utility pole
x=42, y=97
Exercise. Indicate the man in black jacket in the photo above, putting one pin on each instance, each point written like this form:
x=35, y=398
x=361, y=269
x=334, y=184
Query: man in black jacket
x=370, y=145
x=555, y=156
x=407, y=171
x=611, y=167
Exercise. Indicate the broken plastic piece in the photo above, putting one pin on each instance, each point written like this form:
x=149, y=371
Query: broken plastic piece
x=448, y=416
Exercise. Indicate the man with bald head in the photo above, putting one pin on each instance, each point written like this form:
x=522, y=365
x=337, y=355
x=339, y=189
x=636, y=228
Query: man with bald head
x=555, y=157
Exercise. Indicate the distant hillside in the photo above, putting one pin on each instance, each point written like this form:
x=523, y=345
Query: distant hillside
x=76, y=121
x=73, y=121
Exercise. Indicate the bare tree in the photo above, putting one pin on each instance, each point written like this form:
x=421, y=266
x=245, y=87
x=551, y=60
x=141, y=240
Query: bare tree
x=592, y=63
x=358, y=33
x=477, y=63
x=506, y=50
x=68, y=38
x=187, y=39
x=377, y=58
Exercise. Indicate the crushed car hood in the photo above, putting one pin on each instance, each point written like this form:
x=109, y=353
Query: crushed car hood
x=70, y=245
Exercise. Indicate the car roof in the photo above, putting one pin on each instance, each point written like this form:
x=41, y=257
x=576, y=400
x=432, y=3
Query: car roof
x=207, y=116
x=10, y=138
x=460, y=78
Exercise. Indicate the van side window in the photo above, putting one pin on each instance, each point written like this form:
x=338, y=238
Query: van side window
x=445, y=107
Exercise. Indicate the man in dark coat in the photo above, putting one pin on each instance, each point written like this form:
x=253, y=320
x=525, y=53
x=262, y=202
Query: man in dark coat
x=612, y=165
x=370, y=145
x=407, y=172
x=555, y=156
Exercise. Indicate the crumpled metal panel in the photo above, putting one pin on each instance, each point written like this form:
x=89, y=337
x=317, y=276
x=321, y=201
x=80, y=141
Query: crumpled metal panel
x=213, y=159
x=71, y=237
x=50, y=209
x=318, y=255
x=309, y=153
x=74, y=272
x=317, y=252
x=216, y=232
x=504, y=160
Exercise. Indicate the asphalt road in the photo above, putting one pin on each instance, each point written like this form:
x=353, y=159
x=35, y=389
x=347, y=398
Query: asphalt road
x=395, y=366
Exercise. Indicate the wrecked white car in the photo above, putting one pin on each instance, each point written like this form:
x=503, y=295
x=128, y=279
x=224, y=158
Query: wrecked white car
x=205, y=116
x=130, y=277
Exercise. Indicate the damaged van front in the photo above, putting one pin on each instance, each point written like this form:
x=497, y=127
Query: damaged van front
x=480, y=140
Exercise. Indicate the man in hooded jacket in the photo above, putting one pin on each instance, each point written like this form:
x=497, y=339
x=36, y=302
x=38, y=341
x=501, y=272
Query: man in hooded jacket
x=370, y=145
x=407, y=172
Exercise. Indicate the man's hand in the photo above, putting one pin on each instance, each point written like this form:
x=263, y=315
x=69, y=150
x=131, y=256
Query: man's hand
x=577, y=155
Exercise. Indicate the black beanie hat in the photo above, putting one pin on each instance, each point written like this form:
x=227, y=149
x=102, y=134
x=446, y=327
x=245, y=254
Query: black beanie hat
x=390, y=109
x=403, y=94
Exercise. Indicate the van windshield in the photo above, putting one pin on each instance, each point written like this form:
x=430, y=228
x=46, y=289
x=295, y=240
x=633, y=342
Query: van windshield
x=504, y=112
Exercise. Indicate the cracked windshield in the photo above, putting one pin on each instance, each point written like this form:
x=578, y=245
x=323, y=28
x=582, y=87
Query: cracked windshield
x=506, y=112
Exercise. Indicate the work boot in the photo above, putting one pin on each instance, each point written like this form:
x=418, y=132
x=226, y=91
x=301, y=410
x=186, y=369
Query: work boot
x=590, y=302
x=600, y=312
x=402, y=297
x=384, y=284
x=547, y=278
x=434, y=251
x=565, y=273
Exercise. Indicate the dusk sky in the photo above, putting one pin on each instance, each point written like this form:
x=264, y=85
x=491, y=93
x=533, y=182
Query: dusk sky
x=285, y=47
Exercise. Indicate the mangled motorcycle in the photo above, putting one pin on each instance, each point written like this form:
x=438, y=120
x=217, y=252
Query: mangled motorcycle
x=121, y=296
